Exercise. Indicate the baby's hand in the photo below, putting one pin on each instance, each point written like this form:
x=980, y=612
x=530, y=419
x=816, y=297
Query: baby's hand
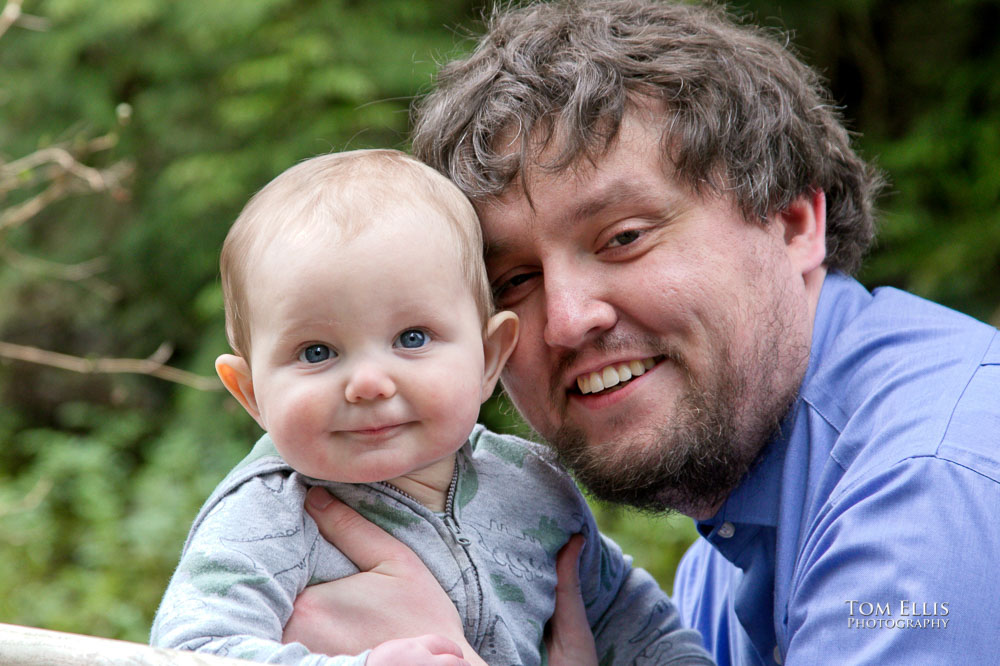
x=427, y=650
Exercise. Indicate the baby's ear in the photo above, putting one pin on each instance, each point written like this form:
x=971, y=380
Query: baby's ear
x=499, y=339
x=234, y=372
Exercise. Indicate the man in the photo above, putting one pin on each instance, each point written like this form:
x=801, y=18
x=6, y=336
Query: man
x=659, y=185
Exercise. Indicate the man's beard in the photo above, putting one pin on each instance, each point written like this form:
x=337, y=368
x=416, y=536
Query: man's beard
x=695, y=459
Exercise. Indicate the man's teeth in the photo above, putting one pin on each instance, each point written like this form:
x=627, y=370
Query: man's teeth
x=613, y=375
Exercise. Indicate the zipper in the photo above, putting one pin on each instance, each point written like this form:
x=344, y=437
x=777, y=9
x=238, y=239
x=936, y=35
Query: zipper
x=386, y=484
x=449, y=513
x=451, y=522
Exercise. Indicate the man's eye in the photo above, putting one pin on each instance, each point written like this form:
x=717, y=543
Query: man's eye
x=315, y=354
x=412, y=339
x=624, y=238
x=503, y=288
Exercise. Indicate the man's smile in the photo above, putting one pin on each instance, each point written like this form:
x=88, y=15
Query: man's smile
x=614, y=375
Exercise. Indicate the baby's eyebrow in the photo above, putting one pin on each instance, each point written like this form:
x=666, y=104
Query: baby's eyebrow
x=293, y=330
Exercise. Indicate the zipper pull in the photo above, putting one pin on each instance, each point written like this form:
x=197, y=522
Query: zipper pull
x=457, y=531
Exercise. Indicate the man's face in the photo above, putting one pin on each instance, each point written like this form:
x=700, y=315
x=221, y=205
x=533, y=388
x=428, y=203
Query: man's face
x=694, y=321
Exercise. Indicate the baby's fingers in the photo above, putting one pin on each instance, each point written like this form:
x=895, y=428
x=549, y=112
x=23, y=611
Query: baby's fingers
x=426, y=650
x=440, y=646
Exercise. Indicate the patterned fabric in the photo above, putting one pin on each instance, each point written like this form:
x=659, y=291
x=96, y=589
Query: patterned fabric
x=510, y=509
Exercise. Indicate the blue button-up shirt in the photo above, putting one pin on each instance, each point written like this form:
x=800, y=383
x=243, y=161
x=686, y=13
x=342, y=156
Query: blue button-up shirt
x=869, y=532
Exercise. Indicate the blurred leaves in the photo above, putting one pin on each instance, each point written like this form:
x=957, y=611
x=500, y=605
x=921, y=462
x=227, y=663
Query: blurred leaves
x=918, y=83
x=100, y=475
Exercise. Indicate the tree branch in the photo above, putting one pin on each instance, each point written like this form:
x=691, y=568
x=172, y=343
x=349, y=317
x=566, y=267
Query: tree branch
x=83, y=274
x=68, y=272
x=18, y=215
x=97, y=180
x=12, y=14
x=70, y=176
x=29, y=501
x=67, y=174
x=153, y=366
x=8, y=17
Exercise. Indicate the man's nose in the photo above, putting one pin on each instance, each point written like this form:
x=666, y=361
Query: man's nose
x=369, y=381
x=577, y=310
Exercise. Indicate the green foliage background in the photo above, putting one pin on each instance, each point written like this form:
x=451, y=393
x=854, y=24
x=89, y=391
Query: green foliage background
x=101, y=475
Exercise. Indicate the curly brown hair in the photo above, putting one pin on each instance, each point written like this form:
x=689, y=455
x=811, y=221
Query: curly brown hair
x=744, y=116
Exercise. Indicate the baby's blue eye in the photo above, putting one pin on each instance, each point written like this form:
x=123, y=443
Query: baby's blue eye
x=412, y=339
x=315, y=354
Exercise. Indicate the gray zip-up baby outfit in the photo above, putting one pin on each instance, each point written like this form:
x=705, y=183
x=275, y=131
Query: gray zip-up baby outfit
x=510, y=508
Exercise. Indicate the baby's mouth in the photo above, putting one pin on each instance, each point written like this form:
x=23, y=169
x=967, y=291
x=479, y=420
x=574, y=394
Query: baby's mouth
x=614, y=376
x=375, y=430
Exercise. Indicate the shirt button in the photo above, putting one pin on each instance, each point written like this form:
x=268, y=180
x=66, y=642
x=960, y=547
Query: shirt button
x=777, y=655
x=726, y=530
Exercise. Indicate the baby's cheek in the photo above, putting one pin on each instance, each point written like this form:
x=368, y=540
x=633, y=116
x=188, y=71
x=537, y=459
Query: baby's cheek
x=455, y=385
x=464, y=399
x=299, y=416
x=301, y=441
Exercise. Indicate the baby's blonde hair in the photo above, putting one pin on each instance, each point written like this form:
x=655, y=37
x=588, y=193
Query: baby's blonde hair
x=342, y=192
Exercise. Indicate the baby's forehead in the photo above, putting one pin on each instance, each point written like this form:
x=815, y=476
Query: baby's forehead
x=391, y=223
x=402, y=265
x=372, y=242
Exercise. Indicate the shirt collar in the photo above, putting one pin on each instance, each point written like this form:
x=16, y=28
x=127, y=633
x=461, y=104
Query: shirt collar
x=841, y=299
x=754, y=500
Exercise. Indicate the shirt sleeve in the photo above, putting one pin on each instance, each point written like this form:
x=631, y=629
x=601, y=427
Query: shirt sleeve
x=633, y=620
x=245, y=562
x=900, y=569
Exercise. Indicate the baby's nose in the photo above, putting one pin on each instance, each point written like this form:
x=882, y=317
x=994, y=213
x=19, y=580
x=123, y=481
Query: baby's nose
x=368, y=381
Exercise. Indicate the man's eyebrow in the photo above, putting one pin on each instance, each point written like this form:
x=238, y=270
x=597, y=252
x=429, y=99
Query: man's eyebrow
x=493, y=249
x=608, y=196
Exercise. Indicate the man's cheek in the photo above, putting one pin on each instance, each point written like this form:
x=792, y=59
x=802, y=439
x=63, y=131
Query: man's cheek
x=514, y=381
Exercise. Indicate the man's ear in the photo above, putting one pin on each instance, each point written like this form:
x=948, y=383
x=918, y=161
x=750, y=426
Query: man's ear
x=804, y=225
x=499, y=340
x=234, y=372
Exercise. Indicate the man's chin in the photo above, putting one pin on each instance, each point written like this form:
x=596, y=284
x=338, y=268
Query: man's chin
x=689, y=465
x=693, y=487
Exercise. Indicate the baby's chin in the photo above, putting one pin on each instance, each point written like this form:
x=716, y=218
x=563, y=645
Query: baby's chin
x=372, y=473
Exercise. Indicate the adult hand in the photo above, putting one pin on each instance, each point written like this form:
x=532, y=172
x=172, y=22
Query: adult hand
x=393, y=596
x=568, y=637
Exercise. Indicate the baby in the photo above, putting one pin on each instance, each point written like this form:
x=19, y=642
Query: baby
x=360, y=315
